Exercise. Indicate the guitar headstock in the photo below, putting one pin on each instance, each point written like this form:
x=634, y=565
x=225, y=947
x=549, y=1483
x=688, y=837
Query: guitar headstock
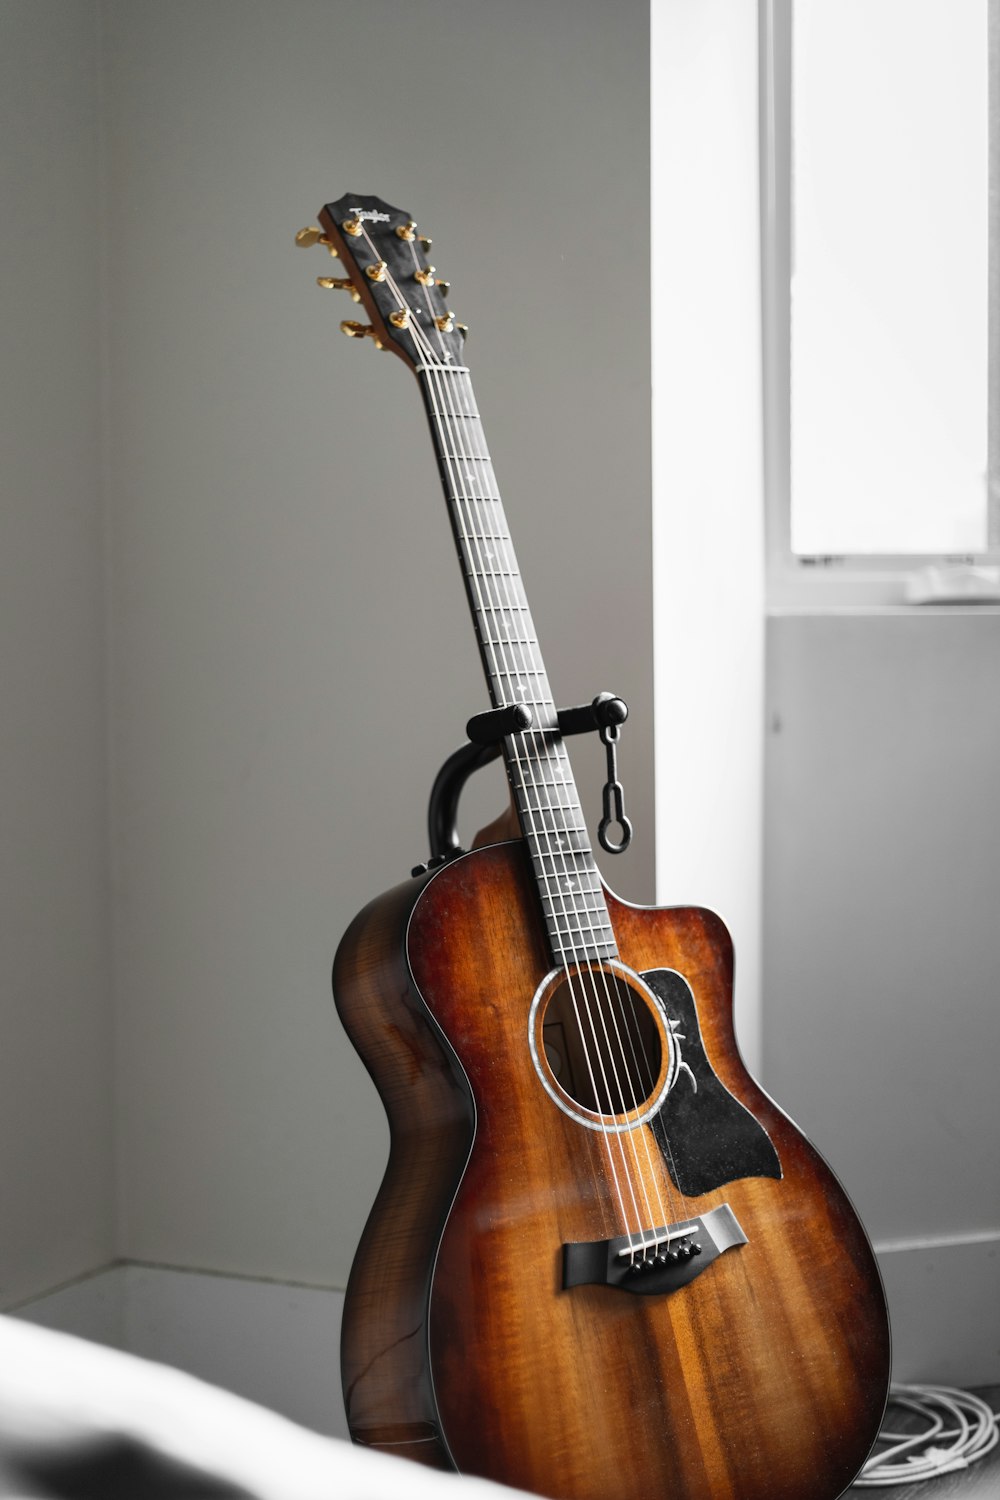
x=387, y=269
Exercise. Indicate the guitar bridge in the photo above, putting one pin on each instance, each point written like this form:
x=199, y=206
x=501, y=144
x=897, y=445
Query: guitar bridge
x=655, y=1260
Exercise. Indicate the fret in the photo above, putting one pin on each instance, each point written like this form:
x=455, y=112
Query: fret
x=567, y=933
x=561, y=833
x=573, y=861
x=480, y=527
x=493, y=618
x=587, y=902
x=505, y=639
x=497, y=596
x=503, y=608
x=575, y=948
x=525, y=646
x=536, y=787
x=501, y=595
x=545, y=797
x=480, y=460
x=571, y=881
x=584, y=936
x=570, y=916
x=544, y=805
x=557, y=867
x=580, y=955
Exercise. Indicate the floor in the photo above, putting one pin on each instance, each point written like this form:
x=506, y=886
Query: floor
x=979, y=1482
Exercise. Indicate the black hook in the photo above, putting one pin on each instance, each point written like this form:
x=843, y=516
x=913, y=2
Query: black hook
x=614, y=796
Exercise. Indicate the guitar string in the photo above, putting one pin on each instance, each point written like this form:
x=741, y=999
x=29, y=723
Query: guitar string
x=468, y=535
x=443, y=404
x=483, y=458
x=633, y=1074
x=528, y=783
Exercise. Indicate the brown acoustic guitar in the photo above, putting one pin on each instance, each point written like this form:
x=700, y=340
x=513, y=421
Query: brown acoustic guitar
x=602, y=1264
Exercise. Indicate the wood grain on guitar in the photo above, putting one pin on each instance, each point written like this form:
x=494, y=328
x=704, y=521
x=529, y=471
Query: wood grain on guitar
x=601, y=1262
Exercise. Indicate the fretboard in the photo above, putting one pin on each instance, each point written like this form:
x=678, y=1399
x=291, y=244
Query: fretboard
x=538, y=768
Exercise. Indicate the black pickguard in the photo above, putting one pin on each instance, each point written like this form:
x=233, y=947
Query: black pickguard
x=706, y=1136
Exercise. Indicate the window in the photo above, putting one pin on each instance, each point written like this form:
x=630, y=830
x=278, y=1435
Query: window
x=880, y=264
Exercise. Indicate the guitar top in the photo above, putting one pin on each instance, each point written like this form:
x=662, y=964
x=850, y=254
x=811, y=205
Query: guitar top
x=602, y=1262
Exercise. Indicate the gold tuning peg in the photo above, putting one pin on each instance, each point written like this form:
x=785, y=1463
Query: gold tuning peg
x=405, y=231
x=424, y=241
x=313, y=235
x=339, y=284
x=360, y=331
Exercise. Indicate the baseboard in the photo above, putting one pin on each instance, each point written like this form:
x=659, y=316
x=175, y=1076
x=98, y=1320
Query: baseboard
x=944, y=1303
x=274, y=1342
x=279, y=1344
x=92, y=1307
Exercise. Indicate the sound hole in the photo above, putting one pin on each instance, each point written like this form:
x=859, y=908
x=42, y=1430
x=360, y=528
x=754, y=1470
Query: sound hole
x=602, y=1042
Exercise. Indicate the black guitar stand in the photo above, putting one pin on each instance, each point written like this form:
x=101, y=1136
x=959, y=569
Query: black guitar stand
x=486, y=732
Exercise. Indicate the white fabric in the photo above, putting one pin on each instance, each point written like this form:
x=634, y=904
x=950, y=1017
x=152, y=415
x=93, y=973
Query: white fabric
x=63, y=1395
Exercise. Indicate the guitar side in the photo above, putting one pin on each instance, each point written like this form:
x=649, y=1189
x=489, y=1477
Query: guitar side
x=764, y=1377
x=385, y=1368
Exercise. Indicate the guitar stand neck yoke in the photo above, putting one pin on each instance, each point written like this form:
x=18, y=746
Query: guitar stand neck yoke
x=487, y=732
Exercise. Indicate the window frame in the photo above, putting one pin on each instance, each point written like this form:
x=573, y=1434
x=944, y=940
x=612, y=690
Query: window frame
x=822, y=581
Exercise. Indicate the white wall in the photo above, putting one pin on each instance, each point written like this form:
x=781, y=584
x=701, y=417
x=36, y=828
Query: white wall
x=707, y=479
x=291, y=657
x=56, y=1057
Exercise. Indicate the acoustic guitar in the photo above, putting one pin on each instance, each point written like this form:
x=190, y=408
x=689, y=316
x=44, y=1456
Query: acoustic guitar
x=602, y=1263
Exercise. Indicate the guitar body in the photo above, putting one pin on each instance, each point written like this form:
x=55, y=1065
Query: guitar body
x=463, y=1345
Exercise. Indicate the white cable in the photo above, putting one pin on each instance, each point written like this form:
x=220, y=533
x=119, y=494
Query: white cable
x=938, y=1448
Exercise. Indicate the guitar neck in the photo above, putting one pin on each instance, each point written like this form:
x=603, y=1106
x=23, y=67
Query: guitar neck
x=538, y=767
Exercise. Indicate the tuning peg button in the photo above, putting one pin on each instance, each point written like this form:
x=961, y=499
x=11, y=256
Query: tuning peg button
x=361, y=331
x=406, y=231
x=339, y=284
x=313, y=235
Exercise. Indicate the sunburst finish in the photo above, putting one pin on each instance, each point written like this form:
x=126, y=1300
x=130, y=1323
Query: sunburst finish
x=765, y=1377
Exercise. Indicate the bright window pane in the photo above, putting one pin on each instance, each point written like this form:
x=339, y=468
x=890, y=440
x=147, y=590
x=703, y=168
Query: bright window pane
x=889, y=276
